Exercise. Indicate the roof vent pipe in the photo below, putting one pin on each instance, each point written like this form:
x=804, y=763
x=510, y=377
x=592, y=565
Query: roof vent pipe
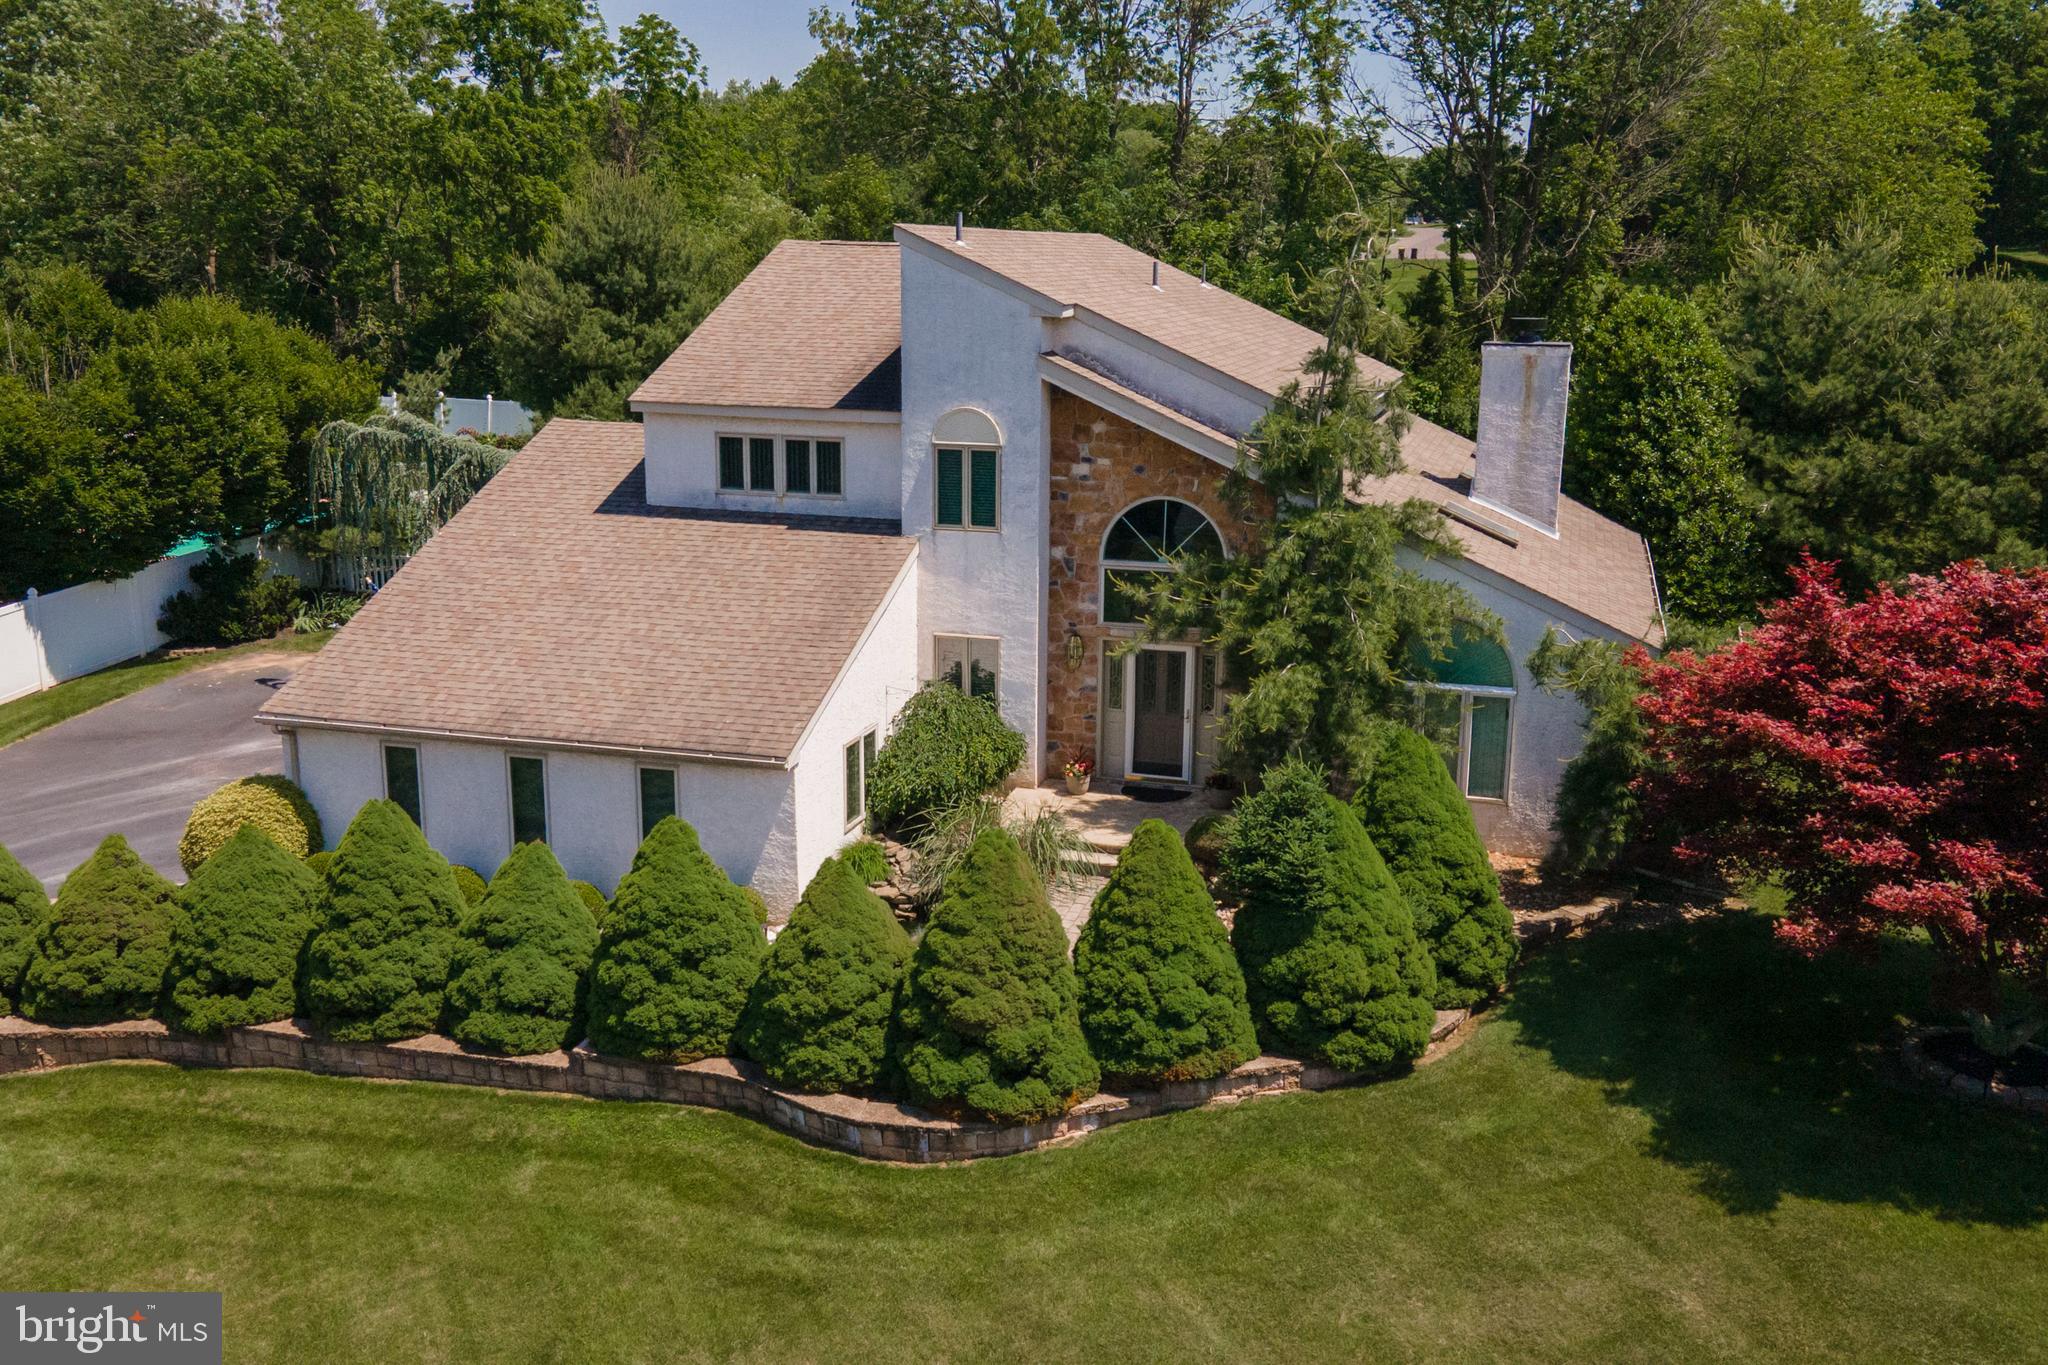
x=959, y=228
x=1155, y=272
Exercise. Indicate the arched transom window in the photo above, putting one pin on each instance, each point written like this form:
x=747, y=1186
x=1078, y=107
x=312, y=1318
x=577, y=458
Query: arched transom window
x=1150, y=538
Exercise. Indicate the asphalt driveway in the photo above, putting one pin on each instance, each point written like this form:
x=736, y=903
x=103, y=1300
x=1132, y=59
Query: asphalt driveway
x=136, y=766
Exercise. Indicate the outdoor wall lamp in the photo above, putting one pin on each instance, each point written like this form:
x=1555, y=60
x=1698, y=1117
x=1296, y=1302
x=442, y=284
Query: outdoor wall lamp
x=1077, y=649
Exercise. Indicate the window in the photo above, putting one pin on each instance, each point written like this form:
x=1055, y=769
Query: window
x=748, y=464
x=860, y=757
x=657, y=797
x=1467, y=707
x=831, y=470
x=732, y=463
x=761, y=464
x=968, y=662
x=402, y=779
x=1148, y=540
x=796, y=466
x=967, y=488
x=529, y=777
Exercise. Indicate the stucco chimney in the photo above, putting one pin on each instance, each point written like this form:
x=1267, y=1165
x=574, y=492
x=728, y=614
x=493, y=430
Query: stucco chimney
x=1523, y=389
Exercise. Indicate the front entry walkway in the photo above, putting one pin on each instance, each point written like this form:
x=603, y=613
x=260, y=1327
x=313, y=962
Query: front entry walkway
x=1105, y=821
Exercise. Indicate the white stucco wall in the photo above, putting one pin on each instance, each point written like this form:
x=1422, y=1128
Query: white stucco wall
x=1175, y=382
x=967, y=343
x=682, y=462
x=879, y=677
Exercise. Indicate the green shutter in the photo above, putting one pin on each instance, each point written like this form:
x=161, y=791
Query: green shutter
x=732, y=462
x=796, y=466
x=761, y=449
x=402, y=779
x=657, y=797
x=949, y=488
x=529, y=800
x=982, y=506
x=831, y=470
x=1486, y=767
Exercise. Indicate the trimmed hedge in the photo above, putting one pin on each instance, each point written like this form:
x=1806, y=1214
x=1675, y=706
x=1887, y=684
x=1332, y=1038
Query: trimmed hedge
x=946, y=747
x=680, y=952
x=1423, y=829
x=272, y=803
x=592, y=898
x=819, y=1014
x=1162, y=996
x=469, y=882
x=866, y=860
x=1333, y=968
x=247, y=914
x=517, y=978
x=100, y=954
x=22, y=908
x=989, y=1023
x=377, y=968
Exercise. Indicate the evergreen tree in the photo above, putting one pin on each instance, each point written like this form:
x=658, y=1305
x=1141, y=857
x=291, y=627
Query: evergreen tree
x=1423, y=829
x=990, y=1023
x=100, y=953
x=377, y=968
x=819, y=1014
x=516, y=983
x=680, y=951
x=248, y=911
x=1162, y=996
x=1332, y=964
x=22, y=908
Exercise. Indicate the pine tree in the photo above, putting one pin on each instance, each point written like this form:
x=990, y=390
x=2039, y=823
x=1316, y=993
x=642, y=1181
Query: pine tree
x=248, y=911
x=100, y=953
x=990, y=1021
x=1423, y=829
x=22, y=908
x=1162, y=996
x=517, y=979
x=819, y=1015
x=681, y=949
x=377, y=969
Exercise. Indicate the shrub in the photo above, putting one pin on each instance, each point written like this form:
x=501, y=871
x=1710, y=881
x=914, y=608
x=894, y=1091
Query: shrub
x=469, y=882
x=1206, y=839
x=818, y=1016
x=99, y=955
x=680, y=952
x=319, y=862
x=377, y=968
x=1050, y=844
x=246, y=916
x=516, y=982
x=22, y=908
x=865, y=859
x=756, y=903
x=946, y=747
x=592, y=898
x=1162, y=996
x=989, y=1021
x=1332, y=964
x=272, y=803
x=233, y=599
x=1423, y=829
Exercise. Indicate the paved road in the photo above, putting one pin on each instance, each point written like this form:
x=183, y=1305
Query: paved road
x=137, y=766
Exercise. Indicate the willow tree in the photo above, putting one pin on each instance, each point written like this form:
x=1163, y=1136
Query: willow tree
x=387, y=483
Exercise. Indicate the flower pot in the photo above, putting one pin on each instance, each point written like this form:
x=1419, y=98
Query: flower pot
x=1077, y=784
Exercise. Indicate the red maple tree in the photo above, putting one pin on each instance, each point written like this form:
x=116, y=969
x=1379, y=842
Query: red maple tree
x=1887, y=758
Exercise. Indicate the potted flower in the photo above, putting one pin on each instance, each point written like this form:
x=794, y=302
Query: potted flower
x=1078, y=771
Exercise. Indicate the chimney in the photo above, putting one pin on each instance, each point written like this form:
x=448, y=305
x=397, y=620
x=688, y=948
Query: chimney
x=1523, y=388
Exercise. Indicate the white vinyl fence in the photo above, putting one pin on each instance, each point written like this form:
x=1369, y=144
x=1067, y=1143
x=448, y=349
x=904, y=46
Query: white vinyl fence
x=47, y=638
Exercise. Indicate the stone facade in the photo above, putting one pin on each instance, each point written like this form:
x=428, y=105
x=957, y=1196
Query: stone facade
x=1101, y=465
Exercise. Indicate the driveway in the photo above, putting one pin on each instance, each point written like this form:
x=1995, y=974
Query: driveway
x=137, y=766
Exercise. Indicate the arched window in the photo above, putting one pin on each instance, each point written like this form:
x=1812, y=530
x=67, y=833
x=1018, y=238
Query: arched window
x=1150, y=538
x=966, y=444
x=1467, y=707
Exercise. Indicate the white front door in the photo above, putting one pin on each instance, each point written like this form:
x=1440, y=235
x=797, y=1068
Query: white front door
x=1159, y=713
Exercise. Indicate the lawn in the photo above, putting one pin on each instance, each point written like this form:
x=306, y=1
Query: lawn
x=38, y=711
x=1669, y=1144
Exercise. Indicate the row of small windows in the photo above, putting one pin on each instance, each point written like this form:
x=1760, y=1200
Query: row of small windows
x=750, y=464
x=526, y=778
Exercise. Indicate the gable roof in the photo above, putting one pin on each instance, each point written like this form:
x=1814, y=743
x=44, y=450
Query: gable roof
x=1088, y=271
x=559, y=607
x=1597, y=567
x=815, y=325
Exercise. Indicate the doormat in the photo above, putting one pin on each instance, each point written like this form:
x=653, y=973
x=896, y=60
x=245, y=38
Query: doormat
x=1139, y=791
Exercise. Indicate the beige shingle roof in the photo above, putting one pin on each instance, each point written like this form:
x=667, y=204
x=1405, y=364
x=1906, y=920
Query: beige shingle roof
x=1594, y=566
x=1088, y=270
x=816, y=325
x=558, y=606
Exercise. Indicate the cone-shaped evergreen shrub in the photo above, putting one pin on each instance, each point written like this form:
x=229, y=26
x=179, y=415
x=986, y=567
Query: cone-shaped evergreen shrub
x=99, y=955
x=680, y=951
x=517, y=982
x=1423, y=829
x=1162, y=996
x=469, y=882
x=592, y=898
x=272, y=803
x=818, y=1016
x=1332, y=964
x=22, y=907
x=377, y=967
x=989, y=1023
x=235, y=957
x=318, y=862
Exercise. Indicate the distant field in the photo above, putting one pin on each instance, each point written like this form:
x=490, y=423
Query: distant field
x=2034, y=263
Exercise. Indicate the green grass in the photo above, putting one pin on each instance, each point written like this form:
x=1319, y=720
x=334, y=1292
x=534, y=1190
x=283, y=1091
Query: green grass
x=26, y=715
x=1679, y=1143
x=2034, y=263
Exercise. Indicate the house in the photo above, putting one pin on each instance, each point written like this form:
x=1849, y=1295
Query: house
x=879, y=463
